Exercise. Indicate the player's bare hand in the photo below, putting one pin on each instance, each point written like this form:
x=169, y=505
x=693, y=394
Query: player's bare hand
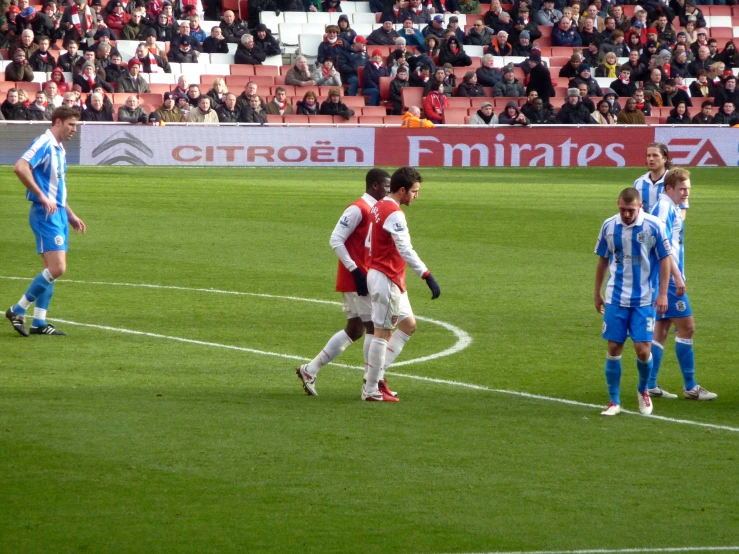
x=679, y=286
x=49, y=205
x=661, y=304
x=600, y=304
x=78, y=225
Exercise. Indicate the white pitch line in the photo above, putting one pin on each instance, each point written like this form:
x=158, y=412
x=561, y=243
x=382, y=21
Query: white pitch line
x=463, y=339
x=624, y=550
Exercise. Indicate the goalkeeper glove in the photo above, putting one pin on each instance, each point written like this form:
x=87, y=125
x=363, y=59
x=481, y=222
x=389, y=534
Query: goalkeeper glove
x=434, y=286
x=360, y=281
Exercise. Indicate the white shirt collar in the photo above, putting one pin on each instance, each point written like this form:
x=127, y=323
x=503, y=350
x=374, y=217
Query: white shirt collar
x=638, y=221
x=663, y=196
x=369, y=199
x=52, y=139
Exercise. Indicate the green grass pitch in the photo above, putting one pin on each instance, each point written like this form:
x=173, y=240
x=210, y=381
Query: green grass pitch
x=115, y=442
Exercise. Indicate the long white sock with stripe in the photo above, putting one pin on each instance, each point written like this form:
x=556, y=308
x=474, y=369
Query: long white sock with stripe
x=335, y=346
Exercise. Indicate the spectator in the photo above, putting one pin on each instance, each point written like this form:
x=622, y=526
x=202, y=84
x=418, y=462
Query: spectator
x=439, y=78
x=412, y=36
x=574, y=112
x=308, y=105
x=702, y=87
x=612, y=98
x=227, y=112
x=524, y=23
x=384, y=36
x=131, y=112
x=40, y=109
x=609, y=67
x=479, y=35
x=603, y=115
x=243, y=101
x=79, y=22
x=624, y=86
x=648, y=52
x=88, y=79
x=454, y=26
x=169, y=112
x=547, y=16
x=564, y=34
x=704, y=117
x=584, y=77
x=538, y=113
x=164, y=29
x=572, y=69
x=115, y=70
x=729, y=55
x=679, y=115
x=300, y=75
x=331, y=6
x=469, y=7
x=184, y=31
x=727, y=93
x=432, y=46
x=672, y=95
x=512, y=116
x=400, y=61
x=203, y=112
x=679, y=66
x=233, y=28
x=449, y=78
x=248, y=53
x=592, y=13
x=51, y=91
x=523, y=48
x=726, y=115
x=334, y=105
x=67, y=62
x=134, y=28
x=346, y=33
x=279, y=104
x=435, y=28
x=591, y=55
x=504, y=23
x=150, y=62
x=702, y=61
x=630, y=115
x=469, y=86
x=196, y=31
x=419, y=14
x=193, y=95
x=218, y=92
x=665, y=31
x=352, y=59
x=266, y=42
x=589, y=34
x=117, y=18
x=642, y=103
x=540, y=80
x=500, y=45
x=638, y=69
x=452, y=52
x=372, y=73
x=41, y=60
x=107, y=102
x=183, y=103
x=72, y=100
x=412, y=119
x=509, y=86
x=582, y=88
x=435, y=103
x=421, y=77
x=331, y=47
x=96, y=111
x=19, y=70
x=216, y=43
x=493, y=14
x=326, y=75
x=484, y=116
x=655, y=81
x=13, y=109
x=615, y=44
x=396, y=90
x=182, y=87
x=690, y=9
x=133, y=81
x=183, y=52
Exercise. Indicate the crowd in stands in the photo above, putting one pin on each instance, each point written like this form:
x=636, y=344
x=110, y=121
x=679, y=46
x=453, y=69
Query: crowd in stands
x=661, y=57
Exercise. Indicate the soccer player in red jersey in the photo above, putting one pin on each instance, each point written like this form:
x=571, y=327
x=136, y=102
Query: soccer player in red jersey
x=390, y=251
x=350, y=243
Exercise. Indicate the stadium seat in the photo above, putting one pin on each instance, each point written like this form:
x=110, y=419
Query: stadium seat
x=274, y=118
x=717, y=21
x=562, y=51
x=159, y=89
x=318, y=18
x=467, y=119
x=274, y=61
x=218, y=69
x=363, y=18
x=163, y=78
x=353, y=102
x=371, y=120
x=244, y=9
x=290, y=32
x=362, y=7
x=722, y=33
x=393, y=119
x=296, y=119
x=266, y=70
x=477, y=102
x=377, y=111
x=717, y=10
x=476, y=51
x=242, y=80
x=309, y=44
x=454, y=116
x=222, y=58
x=321, y=119
x=459, y=102
x=412, y=96
x=232, y=5
x=271, y=20
x=28, y=87
x=385, y=87
x=243, y=69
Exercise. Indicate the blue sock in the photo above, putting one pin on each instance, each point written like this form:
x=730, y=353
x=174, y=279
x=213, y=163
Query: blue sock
x=613, y=378
x=42, y=304
x=38, y=286
x=645, y=369
x=657, y=351
x=686, y=359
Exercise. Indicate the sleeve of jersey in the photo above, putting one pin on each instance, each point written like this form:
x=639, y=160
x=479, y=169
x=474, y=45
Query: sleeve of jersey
x=666, y=215
x=663, y=242
x=35, y=154
x=396, y=225
x=348, y=222
x=601, y=245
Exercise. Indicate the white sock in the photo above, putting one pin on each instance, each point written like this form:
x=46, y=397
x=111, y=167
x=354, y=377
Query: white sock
x=375, y=361
x=367, y=342
x=24, y=302
x=394, y=348
x=39, y=314
x=335, y=346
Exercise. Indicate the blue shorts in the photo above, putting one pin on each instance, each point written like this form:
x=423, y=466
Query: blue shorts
x=52, y=231
x=677, y=306
x=620, y=323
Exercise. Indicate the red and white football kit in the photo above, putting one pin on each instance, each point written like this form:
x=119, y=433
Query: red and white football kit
x=349, y=241
x=390, y=251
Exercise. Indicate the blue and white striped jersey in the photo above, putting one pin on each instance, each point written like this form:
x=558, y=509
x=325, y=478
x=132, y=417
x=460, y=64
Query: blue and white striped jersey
x=669, y=213
x=649, y=190
x=48, y=161
x=634, y=252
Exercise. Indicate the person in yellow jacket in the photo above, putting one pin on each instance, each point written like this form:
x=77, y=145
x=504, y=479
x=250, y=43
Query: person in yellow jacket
x=412, y=119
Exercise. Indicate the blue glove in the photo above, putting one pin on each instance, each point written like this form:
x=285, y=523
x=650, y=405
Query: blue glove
x=434, y=286
x=360, y=281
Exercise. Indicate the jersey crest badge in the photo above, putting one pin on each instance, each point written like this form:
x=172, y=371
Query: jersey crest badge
x=642, y=237
x=58, y=240
x=680, y=306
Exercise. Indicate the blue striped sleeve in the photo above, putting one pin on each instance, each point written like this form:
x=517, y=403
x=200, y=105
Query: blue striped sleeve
x=601, y=246
x=37, y=152
x=662, y=245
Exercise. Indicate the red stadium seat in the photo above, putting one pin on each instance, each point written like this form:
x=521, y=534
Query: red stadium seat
x=557, y=102
x=353, y=102
x=562, y=51
x=467, y=119
x=274, y=118
x=385, y=87
x=412, y=96
x=270, y=70
x=244, y=10
x=454, y=116
x=242, y=69
x=28, y=87
x=296, y=119
x=371, y=120
x=376, y=111
x=459, y=102
x=545, y=30
x=477, y=102
x=722, y=33
x=321, y=119
x=716, y=10
x=393, y=119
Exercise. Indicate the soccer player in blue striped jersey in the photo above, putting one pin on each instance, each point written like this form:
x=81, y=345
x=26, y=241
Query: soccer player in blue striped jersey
x=42, y=170
x=651, y=184
x=633, y=247
x=667, y=209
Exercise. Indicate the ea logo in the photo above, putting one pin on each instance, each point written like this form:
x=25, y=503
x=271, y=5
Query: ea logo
x=680, y=306
x=58, y=240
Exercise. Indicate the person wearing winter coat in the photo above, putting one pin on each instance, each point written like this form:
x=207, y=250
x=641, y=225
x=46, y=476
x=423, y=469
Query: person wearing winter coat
x=19, y=70
x=574, y=111
x=469, y=86
x=452, y=52
x=726, y=115
x=438, y=78
x=164, y=28
x=704, y=117
x=434, y=104
x=484, y=116
x=254, y=113
x=384, y=36
x=679, y=115
x=203, y=112
x=308, y=105
x=300, y=75
x=168, y=111
x=217, y=92
x=42, y=60
x=264, y=40
x=227, y=112
x=132, y=112
x=396, y=90
x=334, y=105
x=233, y=28
x=540, y=79
x=216, y=43
x=279, y=104
x=89, y=80
x=509, y=86
x=40, y=109
x=631, y=115
x=326, y=75
x=479, y=35
x=248, y=53
x=133, y=81
x=183, y=52
x=12, y=108
x=512, y=116
x=346, y=33
x=96, y=111
x=585, y=77
x=331, y=47
x=372, y=73
x=487, y=74
x=539, y=113
x=603, y=115
x=565, y=34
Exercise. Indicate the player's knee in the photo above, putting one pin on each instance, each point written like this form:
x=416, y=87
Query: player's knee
x=354, y=329
x=408, y=325
x=643, y=351
x=58, y=269
x=688, y=329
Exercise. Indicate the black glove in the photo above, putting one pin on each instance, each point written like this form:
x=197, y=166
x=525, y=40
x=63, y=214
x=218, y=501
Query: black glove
x=360, y=281
x=434, y=286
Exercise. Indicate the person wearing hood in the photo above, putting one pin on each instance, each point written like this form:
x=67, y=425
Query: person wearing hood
x=574, y=112
x=469, y=86
x=264, y=40
x=679, y=115
x=133, y=81
x=539, y=113
x=57, y=77
x=203, y=112
x=435, y=103
x=540, y=79
x=253, y=112
x=346, y=33
x=511, y=115
x=19, y=70
x=88, y=79
x=509, y=86
x=479, y=34
x=729, y=55
x=168, y=111
x=383, y=36
x=611, y=97
x=331, y=47
x=487, y=74
x=396, y=89
x=585, y=77
x=131, y=112
x=412, y=119
x=96, y=111
x=334, y=105
x=631, y=115
x=484, y=116
x=215, y=43
x=452, y=52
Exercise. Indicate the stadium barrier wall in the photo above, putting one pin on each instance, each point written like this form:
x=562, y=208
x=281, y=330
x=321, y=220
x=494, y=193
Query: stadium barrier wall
x=253, y=146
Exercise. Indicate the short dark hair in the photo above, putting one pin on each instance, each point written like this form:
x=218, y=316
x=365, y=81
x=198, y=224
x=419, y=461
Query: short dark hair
x=707, y=104
x=404, y=178
x=64, y=113
x=629, y=195
x=670, y=82
x=375, y=175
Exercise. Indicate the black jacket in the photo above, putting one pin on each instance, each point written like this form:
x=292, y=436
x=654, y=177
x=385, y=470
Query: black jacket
x=544, y=116
x=92, y=115
x=85, y=85
x=541, y=81
x=574, y=115
x=679, y=96
x=488, y=76
x=396, y=89
x=253, y=116
x=470, y=90
x=14, y=112
x=39, y=64
x=458, y=59
x=213, y=46
x=269, y=45
x=228, y=116
x=329, y=108
x=255, y=56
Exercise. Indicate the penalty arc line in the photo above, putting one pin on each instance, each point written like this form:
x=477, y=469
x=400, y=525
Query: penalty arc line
x=460, y=384
x=626, y=550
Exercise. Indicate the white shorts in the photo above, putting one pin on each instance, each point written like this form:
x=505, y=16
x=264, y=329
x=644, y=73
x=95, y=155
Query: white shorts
x=357, y=306
x=389, y=305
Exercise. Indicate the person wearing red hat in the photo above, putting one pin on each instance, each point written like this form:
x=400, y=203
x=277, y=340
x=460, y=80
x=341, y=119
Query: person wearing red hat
x=133, y=82
x=373, y=71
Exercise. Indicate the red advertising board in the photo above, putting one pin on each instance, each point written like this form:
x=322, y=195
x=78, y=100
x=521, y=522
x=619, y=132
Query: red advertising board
x=550, y=146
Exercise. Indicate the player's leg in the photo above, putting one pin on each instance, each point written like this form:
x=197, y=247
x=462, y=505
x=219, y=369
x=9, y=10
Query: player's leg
x=641, y=331
x=661, y=331
x=398, y=340
x=385, y=310
x=685, y=327
x=56, y=263
x=615, y=322
x=369, y=334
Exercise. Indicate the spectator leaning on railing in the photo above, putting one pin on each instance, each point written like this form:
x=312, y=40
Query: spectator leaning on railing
x=511, y=115
x=12, y=108
x=203, y=112
x=254, y=113
x=574, y=112
x=334, y=105
x=96, y=111
x=435, y=103
x=484, y=116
